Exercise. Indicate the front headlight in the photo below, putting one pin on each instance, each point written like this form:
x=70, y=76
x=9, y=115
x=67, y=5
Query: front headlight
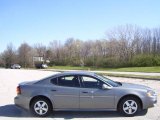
x=151, y=93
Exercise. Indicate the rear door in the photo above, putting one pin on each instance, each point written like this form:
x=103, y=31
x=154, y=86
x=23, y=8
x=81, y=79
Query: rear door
x=65, y=92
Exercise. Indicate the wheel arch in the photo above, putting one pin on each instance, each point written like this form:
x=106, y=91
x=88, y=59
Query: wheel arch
x=130, y=95
x=40, y=96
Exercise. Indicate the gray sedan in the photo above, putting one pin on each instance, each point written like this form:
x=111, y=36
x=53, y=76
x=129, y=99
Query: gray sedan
x=83, y=91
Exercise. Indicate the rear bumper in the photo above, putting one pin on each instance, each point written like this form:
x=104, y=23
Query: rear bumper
x=22, y=102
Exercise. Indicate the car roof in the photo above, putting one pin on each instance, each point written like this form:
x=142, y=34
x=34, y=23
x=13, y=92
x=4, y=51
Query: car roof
x=76, y=73
x=69, y=73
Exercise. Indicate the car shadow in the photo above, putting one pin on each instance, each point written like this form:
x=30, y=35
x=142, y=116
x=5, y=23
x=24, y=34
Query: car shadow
x=85, y=114
x=13, y=111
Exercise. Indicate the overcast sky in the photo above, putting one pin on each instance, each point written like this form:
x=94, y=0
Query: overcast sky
x=41, y=21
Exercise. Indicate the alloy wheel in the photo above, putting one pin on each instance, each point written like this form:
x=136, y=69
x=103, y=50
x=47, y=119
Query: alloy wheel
x=41, y=107
x=130, y=107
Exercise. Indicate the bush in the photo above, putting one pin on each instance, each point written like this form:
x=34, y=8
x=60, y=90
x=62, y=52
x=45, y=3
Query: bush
x=157, y=60
x=110, y=62
x=143, y=60
x=89, y=62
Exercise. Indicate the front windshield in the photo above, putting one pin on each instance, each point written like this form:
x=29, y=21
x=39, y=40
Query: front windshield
x=111, y=82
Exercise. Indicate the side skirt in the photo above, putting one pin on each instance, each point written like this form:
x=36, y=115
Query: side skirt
x=85, y=109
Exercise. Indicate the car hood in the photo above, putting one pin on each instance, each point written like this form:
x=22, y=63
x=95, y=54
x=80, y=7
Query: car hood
x=135, y=86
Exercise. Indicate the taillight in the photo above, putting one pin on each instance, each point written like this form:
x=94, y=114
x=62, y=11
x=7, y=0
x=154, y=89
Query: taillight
x=18, y=90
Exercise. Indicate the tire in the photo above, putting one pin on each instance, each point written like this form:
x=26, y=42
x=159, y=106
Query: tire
x=144, y=112
x=129, y=106
x=41, y=107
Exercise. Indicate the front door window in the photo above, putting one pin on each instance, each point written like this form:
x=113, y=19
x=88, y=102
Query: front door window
x=90, y=82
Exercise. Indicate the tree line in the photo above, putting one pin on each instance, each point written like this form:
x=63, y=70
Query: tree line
x=124, y=46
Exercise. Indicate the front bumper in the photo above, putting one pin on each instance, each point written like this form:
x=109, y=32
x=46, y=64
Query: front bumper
x=151, y=102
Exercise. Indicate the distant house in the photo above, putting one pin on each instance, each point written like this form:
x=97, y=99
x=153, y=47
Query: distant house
x=38, y=59
x=40, y=62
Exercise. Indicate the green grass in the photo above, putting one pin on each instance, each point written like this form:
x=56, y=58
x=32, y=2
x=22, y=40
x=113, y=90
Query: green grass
x=69, y=68
x=127, y=69
x=133, y=76
x=138, y=69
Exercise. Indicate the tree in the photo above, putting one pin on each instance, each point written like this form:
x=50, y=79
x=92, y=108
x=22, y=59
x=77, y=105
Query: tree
x=9, y=56
x=24, y=55
x=2, y=63
x=56, y=51
x=40, y=50
x=124, y=46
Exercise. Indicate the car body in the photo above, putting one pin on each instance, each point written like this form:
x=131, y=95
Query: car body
x=15, y=66
x=41, y=66
x=83, y=91
x=44, y=66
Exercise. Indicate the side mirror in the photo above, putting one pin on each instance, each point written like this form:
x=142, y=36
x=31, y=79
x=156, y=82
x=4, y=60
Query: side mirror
x=106, y=87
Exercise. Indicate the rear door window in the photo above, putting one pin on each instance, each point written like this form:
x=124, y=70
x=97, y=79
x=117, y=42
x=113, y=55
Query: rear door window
x=68, y=81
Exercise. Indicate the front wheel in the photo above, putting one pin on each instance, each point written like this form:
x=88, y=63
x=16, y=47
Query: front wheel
x=41, y=107
x=129, y=106
x=144, y=112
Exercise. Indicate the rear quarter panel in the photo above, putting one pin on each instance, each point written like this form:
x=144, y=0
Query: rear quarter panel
x=30, y=91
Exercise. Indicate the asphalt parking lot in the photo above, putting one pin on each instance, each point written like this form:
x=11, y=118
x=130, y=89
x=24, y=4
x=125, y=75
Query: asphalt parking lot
x=9, y=79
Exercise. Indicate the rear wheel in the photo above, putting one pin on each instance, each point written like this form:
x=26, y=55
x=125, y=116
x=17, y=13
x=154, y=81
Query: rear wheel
x=41, y=107
x=129, y=106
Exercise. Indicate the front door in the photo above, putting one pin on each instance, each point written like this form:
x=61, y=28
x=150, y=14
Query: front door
x=92, y=96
